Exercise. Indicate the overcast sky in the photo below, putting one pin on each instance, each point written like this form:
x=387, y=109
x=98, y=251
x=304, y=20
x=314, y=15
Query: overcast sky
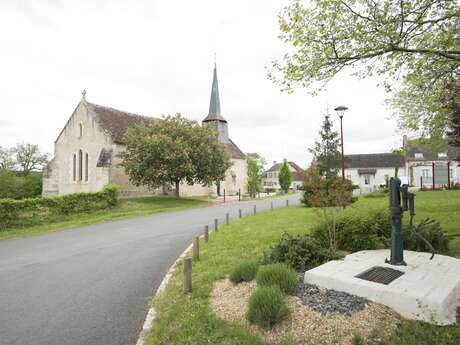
x=156, y=57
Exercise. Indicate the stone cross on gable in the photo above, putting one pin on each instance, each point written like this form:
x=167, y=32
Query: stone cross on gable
x=83, y=93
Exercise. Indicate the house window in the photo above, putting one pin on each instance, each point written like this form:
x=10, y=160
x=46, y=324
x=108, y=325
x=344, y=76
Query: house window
x=80, y=165
x=86, y=166
x=349, y=177
x=367, y=179
x=426, y=173
x=74, y=167
x=418, y=155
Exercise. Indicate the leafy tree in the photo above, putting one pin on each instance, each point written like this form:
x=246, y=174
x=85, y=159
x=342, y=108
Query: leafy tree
x=325, y=152
x=16, y=185
x=172, y=151
x=6, y=159
x=415, y=42
x=285, y=177
x=255, y=169
x=29, y=157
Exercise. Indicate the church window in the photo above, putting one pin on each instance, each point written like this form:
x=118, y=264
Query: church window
x=80, y=165
x=86, y=166
x=80, y=130
x=74, y=167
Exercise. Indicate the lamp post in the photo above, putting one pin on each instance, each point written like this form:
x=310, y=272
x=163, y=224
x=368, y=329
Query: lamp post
x=341, y=111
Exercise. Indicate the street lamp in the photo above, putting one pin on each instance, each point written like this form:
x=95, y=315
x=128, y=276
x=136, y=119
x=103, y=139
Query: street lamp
x=341, y=111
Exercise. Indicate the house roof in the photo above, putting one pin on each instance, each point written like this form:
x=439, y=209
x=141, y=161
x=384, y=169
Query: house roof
x=374, y=160
x=115, y=121
x=452, y=153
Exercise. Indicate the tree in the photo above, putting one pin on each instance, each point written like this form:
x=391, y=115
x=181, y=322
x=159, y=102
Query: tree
x=172, y=151
x=29, y=157
x=255, y=169
x=325, y=151
x=415, y=42
x=285, y=177
x=6, y=159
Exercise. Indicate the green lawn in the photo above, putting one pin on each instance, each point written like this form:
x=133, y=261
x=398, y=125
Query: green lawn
x=186, y=319
x=126, y=208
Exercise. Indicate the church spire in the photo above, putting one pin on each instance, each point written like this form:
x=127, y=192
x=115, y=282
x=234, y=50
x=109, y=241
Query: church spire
x=214, y=104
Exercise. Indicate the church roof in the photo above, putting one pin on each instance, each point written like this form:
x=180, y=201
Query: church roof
x=214, y=104
x=116, y=122
x=234, y=150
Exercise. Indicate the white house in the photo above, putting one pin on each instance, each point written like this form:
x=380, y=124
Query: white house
x=270, y=179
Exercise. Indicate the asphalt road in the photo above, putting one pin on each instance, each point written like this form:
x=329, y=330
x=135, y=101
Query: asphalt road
x=91, y=285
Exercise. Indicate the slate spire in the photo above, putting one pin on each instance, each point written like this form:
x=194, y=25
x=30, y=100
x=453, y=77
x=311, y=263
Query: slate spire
x=214, y=104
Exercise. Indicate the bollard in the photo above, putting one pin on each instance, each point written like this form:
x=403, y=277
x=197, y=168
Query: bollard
x=239, y=194
x=271, y=205
x=196, y=248
x=224, y=196
x=187, y=275
x=206, y=233
x=287, y=203
x=227, y=219
x=216, y=225
x=240, y=213
x=255, y=209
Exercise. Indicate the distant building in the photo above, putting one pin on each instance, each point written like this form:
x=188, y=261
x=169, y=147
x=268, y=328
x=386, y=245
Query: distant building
x=415, y=167
x=270, y=179
x=86, y=152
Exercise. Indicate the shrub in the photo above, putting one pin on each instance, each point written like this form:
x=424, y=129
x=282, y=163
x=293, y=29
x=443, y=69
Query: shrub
x=431, y=230
x=302, y=252
x=354, y=231
x=267, y=306
x=31, y=211
x=280, y=275
x=245, y=271
x=16, y=185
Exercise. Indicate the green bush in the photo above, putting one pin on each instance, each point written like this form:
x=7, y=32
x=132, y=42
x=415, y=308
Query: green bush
x=302, y=252
x=431, y=230
x=31, y=211
x=15, y=185
x=354, y=231
x=280, y=275
x=245, y=271
x=267, y=306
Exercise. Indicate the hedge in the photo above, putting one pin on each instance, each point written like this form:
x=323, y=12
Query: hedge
x=31, y=211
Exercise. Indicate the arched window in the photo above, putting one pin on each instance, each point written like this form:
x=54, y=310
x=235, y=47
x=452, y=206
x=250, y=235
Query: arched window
x=74, y=167
x=80, y=130
x=86, y=166
x=80, y=165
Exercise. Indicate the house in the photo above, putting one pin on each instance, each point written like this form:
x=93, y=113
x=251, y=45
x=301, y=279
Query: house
x=415, y=167
x=86, y=152
x=270, y=179
x=370, y=171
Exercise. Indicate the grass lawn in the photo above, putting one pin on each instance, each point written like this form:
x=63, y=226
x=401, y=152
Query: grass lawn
x=186, y=319
x=126, y=208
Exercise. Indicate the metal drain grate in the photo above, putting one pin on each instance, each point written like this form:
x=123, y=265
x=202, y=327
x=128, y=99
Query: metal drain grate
x=382, y=275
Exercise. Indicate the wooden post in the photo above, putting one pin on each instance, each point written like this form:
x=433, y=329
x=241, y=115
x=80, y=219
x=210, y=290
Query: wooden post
x=227, y=219
x=224, y=195
x=239, y=194
x=421, y=182
x=271, y=205
x=240, y=213
x=187, y=275
x=216, y=225
x=434, y=181
x=206, y=233
x=196, y=248
x=287, y=202
x=448, y=175
x=255, y=209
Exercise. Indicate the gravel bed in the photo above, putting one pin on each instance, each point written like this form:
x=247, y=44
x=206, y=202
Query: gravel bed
x=329, y=302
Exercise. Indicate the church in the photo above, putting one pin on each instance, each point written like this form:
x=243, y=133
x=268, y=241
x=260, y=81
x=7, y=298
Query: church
x=86, y=153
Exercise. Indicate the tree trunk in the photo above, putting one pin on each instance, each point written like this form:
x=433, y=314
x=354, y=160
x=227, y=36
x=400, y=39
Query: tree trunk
x=177, y=189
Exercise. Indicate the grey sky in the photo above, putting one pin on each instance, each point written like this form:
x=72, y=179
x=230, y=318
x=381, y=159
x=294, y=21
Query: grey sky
x=156, y=57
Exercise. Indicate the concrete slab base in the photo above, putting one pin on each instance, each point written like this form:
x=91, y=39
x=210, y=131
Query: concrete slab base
x=428, y=290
